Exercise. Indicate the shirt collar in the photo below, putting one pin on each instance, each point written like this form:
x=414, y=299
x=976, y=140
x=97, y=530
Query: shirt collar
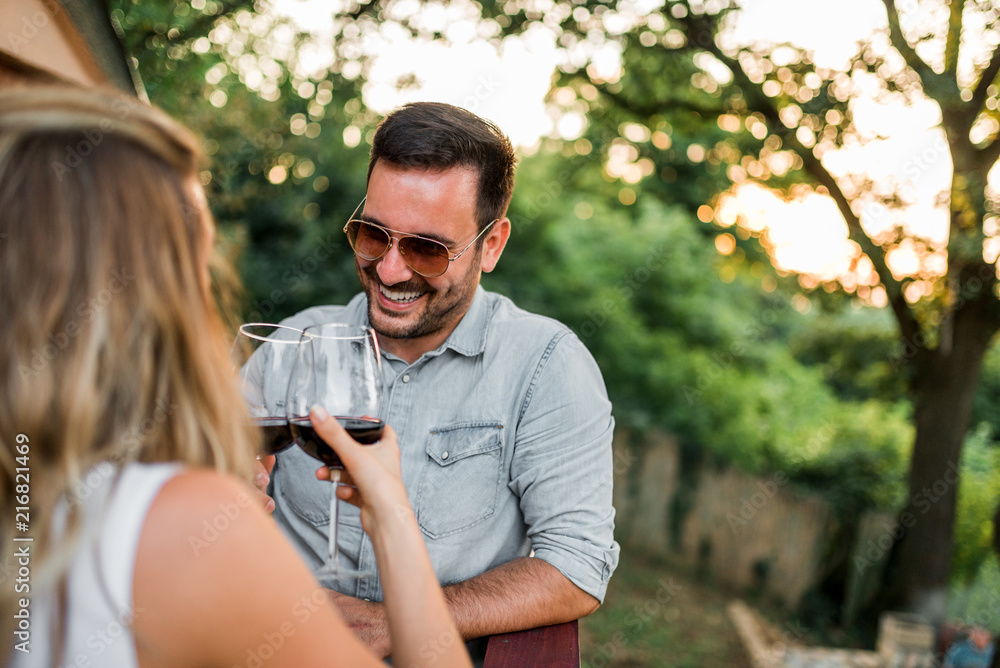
x=468, y=338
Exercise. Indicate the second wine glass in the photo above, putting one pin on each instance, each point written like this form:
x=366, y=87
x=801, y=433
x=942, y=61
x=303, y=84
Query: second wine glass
x=338, y=367
x=263, y=355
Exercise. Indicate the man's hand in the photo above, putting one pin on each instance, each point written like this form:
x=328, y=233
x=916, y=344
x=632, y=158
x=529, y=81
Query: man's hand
x=261, y=477
x=367, y=620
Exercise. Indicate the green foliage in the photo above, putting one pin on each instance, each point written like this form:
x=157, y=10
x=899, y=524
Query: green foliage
x=978, y=602
x=281, y=181
x=985, y=407
x=978, y=498
x=857, y=351
x=798, y=112
x=858, y=459
x=684, y=351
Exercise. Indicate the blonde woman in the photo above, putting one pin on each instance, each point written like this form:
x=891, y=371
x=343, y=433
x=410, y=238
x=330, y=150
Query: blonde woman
x=123, y=443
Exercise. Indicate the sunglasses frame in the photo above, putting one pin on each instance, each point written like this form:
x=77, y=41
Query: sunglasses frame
x=396, y=236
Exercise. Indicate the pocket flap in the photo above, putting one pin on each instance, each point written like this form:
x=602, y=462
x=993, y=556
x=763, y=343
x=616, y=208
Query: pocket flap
x=458, y=441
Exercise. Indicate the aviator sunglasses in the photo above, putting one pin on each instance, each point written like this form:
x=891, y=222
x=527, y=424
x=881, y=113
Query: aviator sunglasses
x=427, y=257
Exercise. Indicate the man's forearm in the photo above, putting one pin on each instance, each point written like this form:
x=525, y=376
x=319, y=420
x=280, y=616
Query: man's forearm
x=521, y=594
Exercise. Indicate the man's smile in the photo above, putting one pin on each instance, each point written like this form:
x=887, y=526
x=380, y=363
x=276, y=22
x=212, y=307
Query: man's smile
x=400, y=297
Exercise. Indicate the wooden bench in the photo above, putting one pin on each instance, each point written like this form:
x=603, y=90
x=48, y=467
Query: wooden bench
x=555, y=646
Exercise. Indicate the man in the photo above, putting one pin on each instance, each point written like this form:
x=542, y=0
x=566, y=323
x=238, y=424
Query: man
x=503, y=420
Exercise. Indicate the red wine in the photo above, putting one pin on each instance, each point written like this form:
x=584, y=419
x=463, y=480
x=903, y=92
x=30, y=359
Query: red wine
x=363, y=430
x=277, y=435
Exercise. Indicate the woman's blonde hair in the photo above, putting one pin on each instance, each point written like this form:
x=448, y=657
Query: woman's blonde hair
x=111, y=347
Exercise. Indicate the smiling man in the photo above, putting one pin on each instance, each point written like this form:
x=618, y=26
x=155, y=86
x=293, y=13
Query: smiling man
x=415, y=313
x=504, y=423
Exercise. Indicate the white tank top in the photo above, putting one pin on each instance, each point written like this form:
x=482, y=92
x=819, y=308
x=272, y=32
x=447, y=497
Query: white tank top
x=99, y=607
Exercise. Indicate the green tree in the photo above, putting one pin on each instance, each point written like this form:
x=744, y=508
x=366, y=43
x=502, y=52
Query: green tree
x=684, y=351
x=945, y=320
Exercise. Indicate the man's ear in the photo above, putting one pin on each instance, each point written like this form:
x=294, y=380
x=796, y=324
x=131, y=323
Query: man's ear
x=494, y=244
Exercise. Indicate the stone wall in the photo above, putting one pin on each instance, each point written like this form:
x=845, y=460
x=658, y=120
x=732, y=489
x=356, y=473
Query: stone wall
x=746, y=532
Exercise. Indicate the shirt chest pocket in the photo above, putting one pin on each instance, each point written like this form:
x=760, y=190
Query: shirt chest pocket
x=461, y=482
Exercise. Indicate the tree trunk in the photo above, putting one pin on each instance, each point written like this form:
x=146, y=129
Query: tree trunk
x=944, y=383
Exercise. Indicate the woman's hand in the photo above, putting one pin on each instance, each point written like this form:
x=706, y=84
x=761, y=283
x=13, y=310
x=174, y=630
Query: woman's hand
x=374, y=470
x=414, y=603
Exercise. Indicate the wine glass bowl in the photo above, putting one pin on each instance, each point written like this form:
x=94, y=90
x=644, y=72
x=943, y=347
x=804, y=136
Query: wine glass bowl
x=339, y=368
x=264, y=354
x=364, y=430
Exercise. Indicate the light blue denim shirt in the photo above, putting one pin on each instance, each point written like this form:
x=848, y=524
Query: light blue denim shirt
x=505, y=432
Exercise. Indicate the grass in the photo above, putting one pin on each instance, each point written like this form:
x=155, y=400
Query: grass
x=657, y=614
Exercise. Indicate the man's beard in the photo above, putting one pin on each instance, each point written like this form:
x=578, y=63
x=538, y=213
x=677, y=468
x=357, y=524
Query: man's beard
x=440, y=309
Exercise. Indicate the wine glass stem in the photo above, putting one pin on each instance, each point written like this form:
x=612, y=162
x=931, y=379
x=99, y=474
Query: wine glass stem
x=334, y=519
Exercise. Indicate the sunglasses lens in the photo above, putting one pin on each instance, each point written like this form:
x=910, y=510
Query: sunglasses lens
x=368, y=241
x=427, y=258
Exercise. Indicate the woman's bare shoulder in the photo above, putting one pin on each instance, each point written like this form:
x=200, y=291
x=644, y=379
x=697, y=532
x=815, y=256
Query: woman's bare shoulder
x=214, y=576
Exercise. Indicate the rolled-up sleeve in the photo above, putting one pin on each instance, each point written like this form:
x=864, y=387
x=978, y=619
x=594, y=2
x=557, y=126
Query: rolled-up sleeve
x=562, y=468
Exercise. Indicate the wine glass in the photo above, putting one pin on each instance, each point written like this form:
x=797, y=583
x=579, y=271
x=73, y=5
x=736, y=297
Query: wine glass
x=339, y=368
x=264, y=355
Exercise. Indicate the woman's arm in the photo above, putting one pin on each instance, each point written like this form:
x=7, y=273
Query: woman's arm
x=217, y=584
x=420, y=626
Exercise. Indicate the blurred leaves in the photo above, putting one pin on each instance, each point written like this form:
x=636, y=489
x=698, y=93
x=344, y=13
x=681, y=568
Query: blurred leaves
x=281, y=175
x=707, y=360
x=978, y=499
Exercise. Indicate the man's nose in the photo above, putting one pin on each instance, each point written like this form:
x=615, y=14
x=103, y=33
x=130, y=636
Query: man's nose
x=391, y=268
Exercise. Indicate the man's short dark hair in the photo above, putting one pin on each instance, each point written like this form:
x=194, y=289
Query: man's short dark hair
x=434, y=135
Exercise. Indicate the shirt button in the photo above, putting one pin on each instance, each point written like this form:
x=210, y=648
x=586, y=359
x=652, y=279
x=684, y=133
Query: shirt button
x=406, y=378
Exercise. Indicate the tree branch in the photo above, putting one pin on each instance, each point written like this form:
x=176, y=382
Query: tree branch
x=200, y=26
x=986, y=78
x=988, y=155
x=930, y=79
x=698, y=27
x=626, y=102
x=954, y=39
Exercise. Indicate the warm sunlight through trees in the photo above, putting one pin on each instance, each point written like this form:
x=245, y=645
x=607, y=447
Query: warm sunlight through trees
x=947, y=329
